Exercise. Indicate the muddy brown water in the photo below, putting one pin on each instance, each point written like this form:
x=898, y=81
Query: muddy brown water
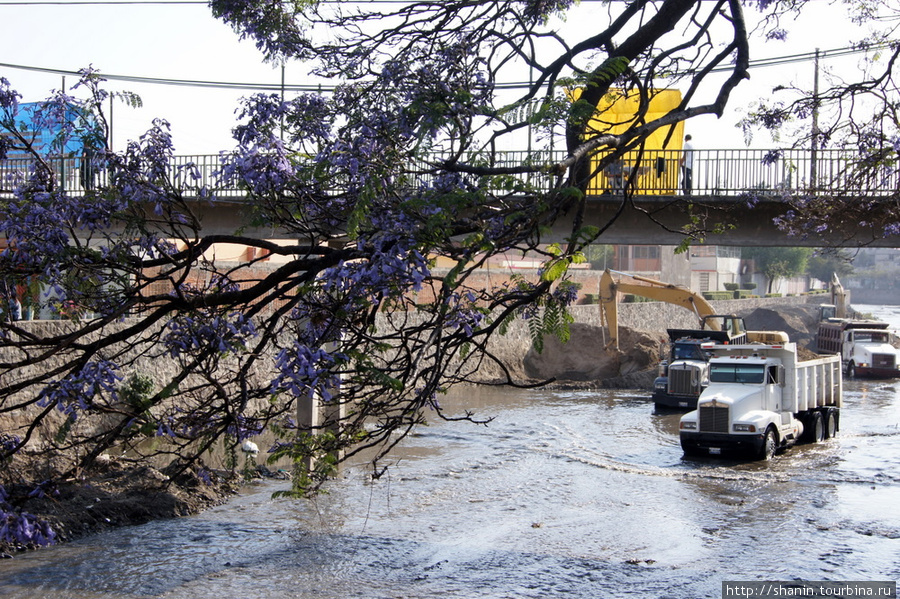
x=565, y=494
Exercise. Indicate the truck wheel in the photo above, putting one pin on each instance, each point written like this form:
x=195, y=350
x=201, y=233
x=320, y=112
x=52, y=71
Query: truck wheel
x=831, y=426
x=817, y=434
x=770, y=445
x=851, y=370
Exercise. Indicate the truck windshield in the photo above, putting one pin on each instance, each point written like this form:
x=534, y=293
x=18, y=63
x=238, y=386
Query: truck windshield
x=736, y=373
x=688, y=351
x=871, y=336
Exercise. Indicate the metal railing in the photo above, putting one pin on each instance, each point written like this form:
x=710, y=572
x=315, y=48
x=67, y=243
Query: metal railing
x=731, y=173
x=722, y=173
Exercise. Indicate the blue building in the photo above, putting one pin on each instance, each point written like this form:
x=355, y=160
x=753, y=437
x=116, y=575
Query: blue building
x=67, y=136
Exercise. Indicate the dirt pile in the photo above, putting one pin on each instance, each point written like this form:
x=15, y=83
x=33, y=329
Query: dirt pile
x=584, y=358
x=800, y=322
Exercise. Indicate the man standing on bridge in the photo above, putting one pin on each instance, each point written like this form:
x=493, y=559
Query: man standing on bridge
x=687, y=166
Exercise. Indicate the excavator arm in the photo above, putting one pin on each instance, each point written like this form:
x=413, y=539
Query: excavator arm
x=838, y=297
x=652, y=289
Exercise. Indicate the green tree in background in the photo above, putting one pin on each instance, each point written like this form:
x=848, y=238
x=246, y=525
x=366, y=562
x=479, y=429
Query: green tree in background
x=825, y=263
x=779, y=262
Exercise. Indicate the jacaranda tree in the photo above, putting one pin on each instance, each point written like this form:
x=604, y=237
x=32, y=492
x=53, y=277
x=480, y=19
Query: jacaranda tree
x=394, y=168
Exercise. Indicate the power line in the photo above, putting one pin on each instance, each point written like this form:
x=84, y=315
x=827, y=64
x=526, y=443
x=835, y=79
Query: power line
x=168, y=2
x=273, y=87
x=96, y=3
x=176, y=82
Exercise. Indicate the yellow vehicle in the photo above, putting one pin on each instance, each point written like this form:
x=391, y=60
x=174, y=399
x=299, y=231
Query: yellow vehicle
x=649, y=288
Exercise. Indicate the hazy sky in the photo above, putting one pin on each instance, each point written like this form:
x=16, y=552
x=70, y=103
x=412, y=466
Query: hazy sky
x=183, y=41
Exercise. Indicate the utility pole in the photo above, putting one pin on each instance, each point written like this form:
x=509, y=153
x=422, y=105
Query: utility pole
x=814, y=142
x=281, y=127
x=109, y=141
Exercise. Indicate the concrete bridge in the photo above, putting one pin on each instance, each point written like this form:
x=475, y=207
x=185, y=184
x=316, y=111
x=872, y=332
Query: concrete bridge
x=748, y=185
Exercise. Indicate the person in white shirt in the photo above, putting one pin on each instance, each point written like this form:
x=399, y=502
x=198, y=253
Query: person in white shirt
x=687, y=166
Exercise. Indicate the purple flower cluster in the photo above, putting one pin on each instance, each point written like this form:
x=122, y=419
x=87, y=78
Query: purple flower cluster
x=565, y=293
x=142, y=172
x=21, y=529
x=244, y=428
x=305, y=371
x=541, y=9
x=9, y=101
x=391, y=269
x=306, y=120
x=771, y=157
x=464, y=314
x=8, y=444
x=263, y=162
x=78, y=391
x=272, y=25
x=224, y=334
x=262, y=171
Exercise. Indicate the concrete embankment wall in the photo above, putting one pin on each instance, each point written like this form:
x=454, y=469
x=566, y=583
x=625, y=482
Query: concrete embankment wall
x=887, y=297
x=510, y=348
x=659, y=316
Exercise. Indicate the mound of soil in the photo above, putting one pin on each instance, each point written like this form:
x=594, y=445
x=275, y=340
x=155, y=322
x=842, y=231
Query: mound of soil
x=800, y=322
x=585, y=357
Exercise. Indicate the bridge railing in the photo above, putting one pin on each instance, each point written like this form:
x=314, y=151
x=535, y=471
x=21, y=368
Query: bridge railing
x=731, y=173
x=723, y=173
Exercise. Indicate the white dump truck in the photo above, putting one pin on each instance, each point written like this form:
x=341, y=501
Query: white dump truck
x=760, y=399
x=865, y=346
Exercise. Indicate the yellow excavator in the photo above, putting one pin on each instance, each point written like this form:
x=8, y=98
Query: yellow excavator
x=707, y=319
x=651, y=289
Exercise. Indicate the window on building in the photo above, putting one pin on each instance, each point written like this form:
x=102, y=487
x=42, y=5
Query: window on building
x=645, y=252
x=704, y=281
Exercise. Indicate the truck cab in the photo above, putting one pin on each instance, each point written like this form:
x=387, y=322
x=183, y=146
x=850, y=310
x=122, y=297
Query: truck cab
x=685, y=374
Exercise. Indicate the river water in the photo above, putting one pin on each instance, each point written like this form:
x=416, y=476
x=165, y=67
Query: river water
x=564, y=494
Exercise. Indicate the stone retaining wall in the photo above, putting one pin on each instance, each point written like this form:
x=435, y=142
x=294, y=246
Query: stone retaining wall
x=512, y=347
x=659, y=316
x=888, y=297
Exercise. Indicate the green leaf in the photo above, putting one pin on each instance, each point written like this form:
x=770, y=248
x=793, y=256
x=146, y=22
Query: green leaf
x=63, y=431
x=555, y=269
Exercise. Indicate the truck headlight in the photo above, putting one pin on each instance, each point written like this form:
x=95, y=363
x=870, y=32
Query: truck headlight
x=661, y=386
x=744, y=428
x=688, y=425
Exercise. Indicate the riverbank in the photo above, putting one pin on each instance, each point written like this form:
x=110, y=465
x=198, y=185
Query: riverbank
x=114, y=493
